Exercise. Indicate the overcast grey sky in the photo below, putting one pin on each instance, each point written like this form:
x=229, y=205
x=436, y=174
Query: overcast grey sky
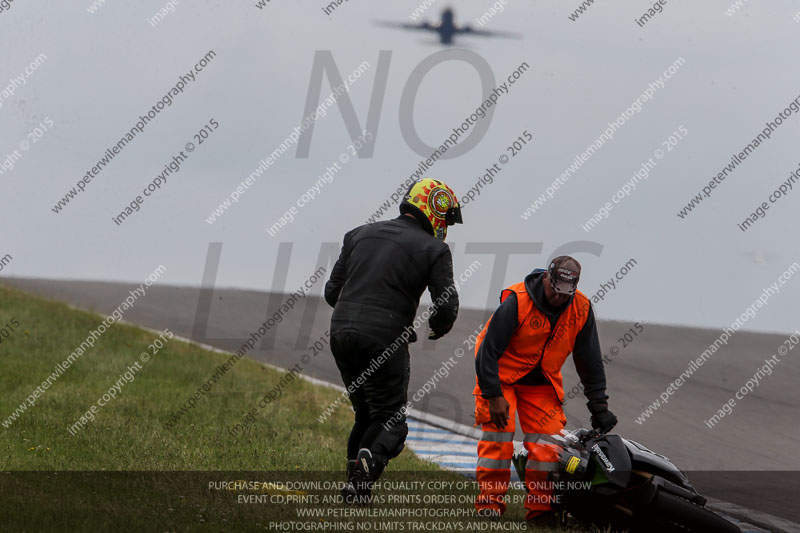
x=105, y=69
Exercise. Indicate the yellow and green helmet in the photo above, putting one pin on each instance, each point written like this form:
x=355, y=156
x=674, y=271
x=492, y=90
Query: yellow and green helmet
x=432, y=201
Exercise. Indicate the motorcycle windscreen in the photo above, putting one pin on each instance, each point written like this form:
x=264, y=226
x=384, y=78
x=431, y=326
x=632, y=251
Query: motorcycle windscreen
x=644, y=459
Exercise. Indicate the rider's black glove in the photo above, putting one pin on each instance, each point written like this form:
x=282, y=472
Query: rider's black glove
x=433, y=335
x=603, y=420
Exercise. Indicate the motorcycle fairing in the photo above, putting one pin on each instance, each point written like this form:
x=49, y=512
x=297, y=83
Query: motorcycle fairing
x=612, y=457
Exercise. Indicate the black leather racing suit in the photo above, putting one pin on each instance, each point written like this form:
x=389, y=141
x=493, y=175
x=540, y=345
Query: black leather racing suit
x=374, y=288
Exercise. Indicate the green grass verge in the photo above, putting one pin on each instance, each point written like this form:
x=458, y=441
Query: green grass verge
x=125, y=471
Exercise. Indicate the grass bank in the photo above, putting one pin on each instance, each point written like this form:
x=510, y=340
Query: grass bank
x=124, y=470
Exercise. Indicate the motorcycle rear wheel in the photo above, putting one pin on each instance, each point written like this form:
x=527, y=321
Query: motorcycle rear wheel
x=676, y=514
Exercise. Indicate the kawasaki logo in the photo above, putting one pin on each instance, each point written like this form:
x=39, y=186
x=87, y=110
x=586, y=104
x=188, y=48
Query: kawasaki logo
x=596, y=449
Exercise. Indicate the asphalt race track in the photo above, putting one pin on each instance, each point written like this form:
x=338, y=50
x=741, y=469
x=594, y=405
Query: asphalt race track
x=748, y=458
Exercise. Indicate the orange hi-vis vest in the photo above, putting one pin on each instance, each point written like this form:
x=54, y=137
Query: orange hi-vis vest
x=535, y=342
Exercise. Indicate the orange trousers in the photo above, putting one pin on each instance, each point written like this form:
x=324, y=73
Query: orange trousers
x=540, y=414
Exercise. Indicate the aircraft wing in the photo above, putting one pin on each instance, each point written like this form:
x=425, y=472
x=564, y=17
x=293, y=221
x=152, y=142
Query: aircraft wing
x=469, y=30
x=406, y=25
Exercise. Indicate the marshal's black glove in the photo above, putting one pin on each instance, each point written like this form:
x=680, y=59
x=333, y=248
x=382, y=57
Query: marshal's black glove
x=603, y=420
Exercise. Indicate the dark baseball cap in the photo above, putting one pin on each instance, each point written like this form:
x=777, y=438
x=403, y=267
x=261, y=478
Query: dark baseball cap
x=564, y=271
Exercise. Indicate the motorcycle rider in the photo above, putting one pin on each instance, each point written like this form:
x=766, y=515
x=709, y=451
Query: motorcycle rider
x=518, y=360
x=374, y=288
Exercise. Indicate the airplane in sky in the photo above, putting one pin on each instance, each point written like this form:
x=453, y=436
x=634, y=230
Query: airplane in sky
x=447, y=28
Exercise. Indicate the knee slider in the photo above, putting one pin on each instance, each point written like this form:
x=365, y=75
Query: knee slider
x=390, y=442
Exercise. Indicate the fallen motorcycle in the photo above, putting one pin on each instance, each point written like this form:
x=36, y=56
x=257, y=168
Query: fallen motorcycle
x=610, y=481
